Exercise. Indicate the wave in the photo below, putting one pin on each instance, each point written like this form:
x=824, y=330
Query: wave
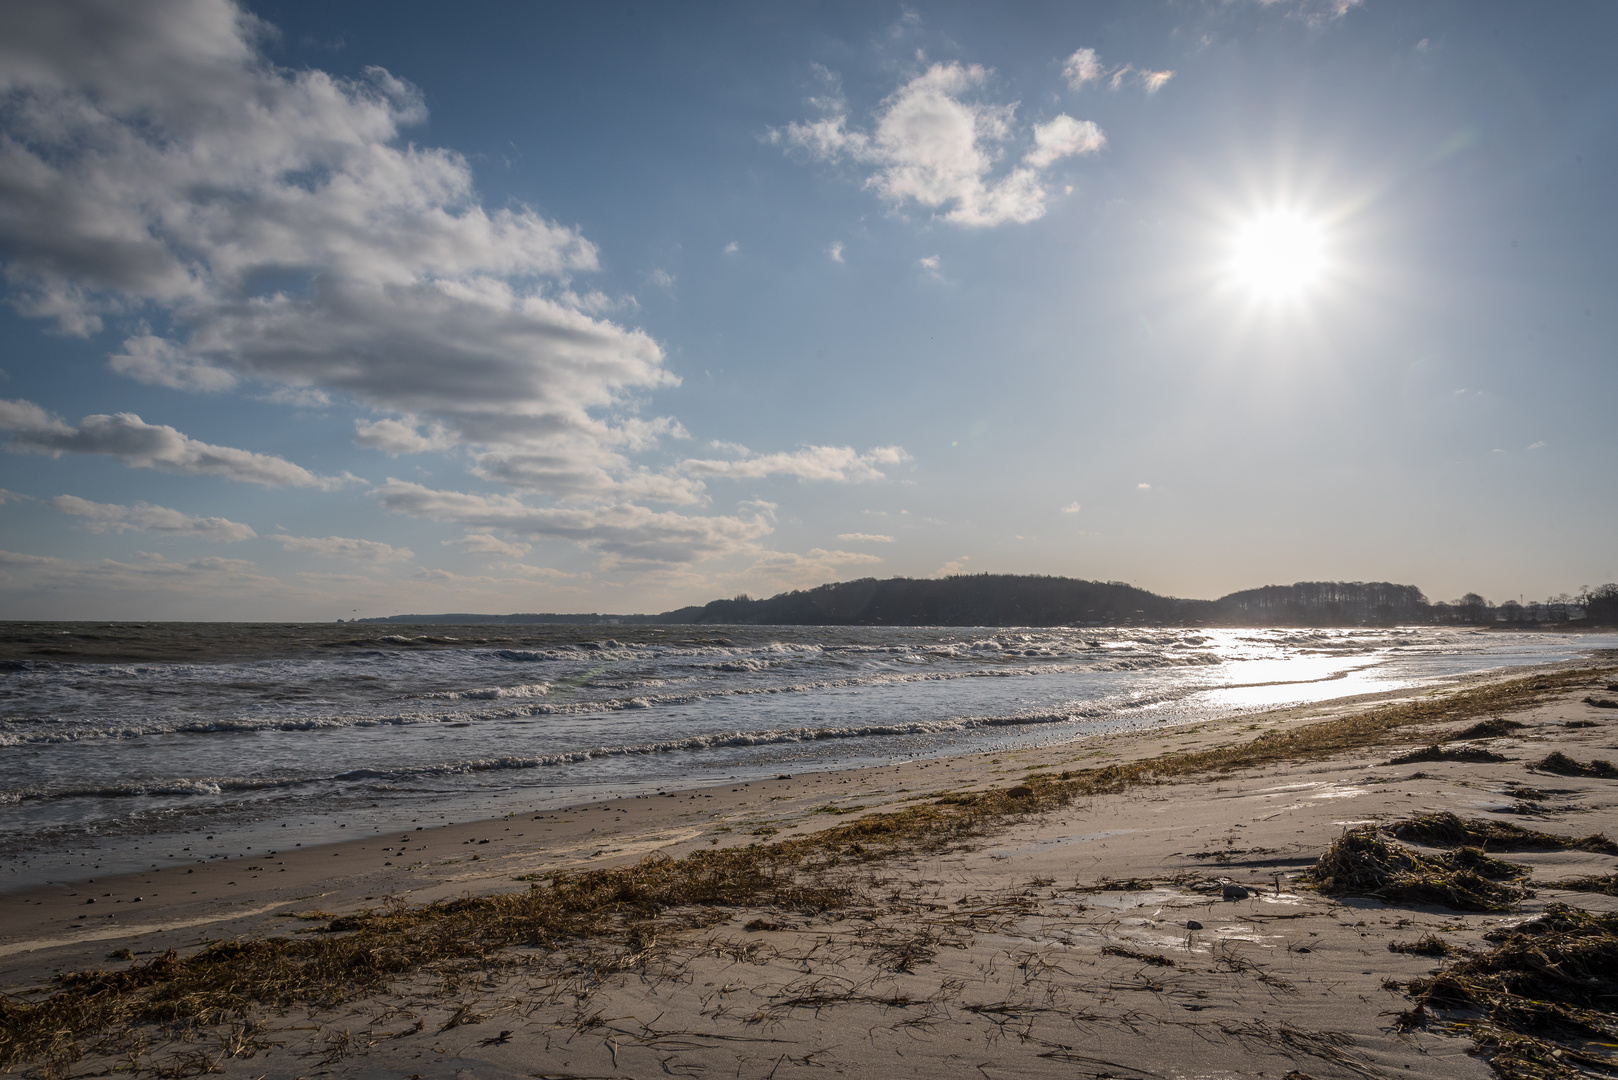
x=216, y=786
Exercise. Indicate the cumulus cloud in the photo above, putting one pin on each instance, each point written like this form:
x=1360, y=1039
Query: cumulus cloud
x=624, y=532
x=1063, y=137
x=954, y=566
x=865, y=538
x=834, y=251
x=155, y=160
x=13, y=496
x=935, y=143
x=733, y=248
x=140, y=445
x=144, y=517
x=489, y=544
x=1072, y=508
x=836, y=463
x=343, y=547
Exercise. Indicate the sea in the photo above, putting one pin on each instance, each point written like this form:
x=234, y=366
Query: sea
x=125, y=746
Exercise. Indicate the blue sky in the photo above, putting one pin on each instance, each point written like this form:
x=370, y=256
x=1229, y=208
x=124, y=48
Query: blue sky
x=323, y=309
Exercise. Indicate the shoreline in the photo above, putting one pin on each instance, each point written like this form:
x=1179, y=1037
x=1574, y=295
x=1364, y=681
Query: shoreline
x=420, y=864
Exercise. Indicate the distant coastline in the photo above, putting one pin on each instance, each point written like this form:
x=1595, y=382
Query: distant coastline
x=1035, y=600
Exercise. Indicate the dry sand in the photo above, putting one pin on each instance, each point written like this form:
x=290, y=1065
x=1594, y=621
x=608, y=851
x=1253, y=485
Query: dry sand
x=1092, y=940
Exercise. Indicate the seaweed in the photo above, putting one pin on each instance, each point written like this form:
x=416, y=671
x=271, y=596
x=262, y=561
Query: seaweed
x=1445, y=829
x=1364, y=861
x=1491, y=729
x=1559, y=763
x=1535, y=1002
x=1447, y=753
x=1427, y=945
x=1605, y=884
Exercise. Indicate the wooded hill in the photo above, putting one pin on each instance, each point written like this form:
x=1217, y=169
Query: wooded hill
x=1029, y=600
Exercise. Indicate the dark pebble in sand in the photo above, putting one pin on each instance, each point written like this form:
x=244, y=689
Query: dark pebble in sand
x=1192, y=924
x=1235, y=892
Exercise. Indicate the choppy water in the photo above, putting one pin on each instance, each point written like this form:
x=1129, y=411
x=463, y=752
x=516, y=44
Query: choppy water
x=126, y=746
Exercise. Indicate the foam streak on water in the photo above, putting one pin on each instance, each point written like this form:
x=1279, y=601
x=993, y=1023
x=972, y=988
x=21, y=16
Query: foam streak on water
x=123, y=747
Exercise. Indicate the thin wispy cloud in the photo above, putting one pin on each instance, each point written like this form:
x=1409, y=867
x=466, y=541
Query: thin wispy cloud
x=841, y=464
x=144, y=517
x=343, y=547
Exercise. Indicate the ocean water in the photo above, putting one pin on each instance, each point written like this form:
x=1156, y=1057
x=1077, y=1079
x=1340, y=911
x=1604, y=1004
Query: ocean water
x=126, y=746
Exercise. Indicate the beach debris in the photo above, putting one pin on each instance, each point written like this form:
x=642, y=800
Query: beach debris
x=1365, y=861
x=1445, y=829
x=1492, y=728
x=1426, y=945
x=1605, y=884
x=1155, y=959
x=1563, y=765
x=1192, y=924
x=1233, y=891
x=1541, y=1003
x=1601, y=702
x=1436, y=752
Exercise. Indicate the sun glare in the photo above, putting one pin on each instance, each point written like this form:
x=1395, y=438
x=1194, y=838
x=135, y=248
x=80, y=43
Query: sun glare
x=1278, y=255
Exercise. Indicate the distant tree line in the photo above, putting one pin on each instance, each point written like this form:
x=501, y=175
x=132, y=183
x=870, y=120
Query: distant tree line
x=1029, y=600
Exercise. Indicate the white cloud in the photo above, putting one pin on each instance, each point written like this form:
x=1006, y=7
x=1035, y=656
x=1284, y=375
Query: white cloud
x=489, y=544
x=144, y=517
x=837, y=463
x=401, y=436
x=624, y=532
x=834, y=251
x=935, y=145
x=1154, y=81
x=525, y=570
x=1540, y=445
x=662, y=279
x=153, y=159
x=1144, y=487
x=343, y=547
x=954, y=566
x=732, y=248
x=1063, y=137
x=13, y=496
x=931, y=264
x=1072, y=508
x=865, y=538
x=1082, y=67
x=140, y=445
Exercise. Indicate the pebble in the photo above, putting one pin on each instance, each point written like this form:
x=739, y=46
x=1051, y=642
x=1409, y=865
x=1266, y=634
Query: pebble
x=1235, y=892
x=1192, y=924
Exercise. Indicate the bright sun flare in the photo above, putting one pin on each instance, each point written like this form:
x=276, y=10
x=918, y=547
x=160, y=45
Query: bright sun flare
x=1278, y=255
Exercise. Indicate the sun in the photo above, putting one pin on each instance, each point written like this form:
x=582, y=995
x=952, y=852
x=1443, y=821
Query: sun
x=1278, y=255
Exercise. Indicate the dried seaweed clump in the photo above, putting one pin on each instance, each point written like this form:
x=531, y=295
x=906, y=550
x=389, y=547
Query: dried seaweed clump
x=1365, y=861
x=1541, y=1003
x=1447, y=753
x=1605, y=884
x=1445, y=829
x=1492, y=728
x=1563, y=765
x=1426, y=945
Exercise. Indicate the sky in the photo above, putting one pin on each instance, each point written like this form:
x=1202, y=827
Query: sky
x=323, y=310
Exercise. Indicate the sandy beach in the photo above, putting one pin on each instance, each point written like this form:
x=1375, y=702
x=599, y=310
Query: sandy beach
x=1128, y=929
